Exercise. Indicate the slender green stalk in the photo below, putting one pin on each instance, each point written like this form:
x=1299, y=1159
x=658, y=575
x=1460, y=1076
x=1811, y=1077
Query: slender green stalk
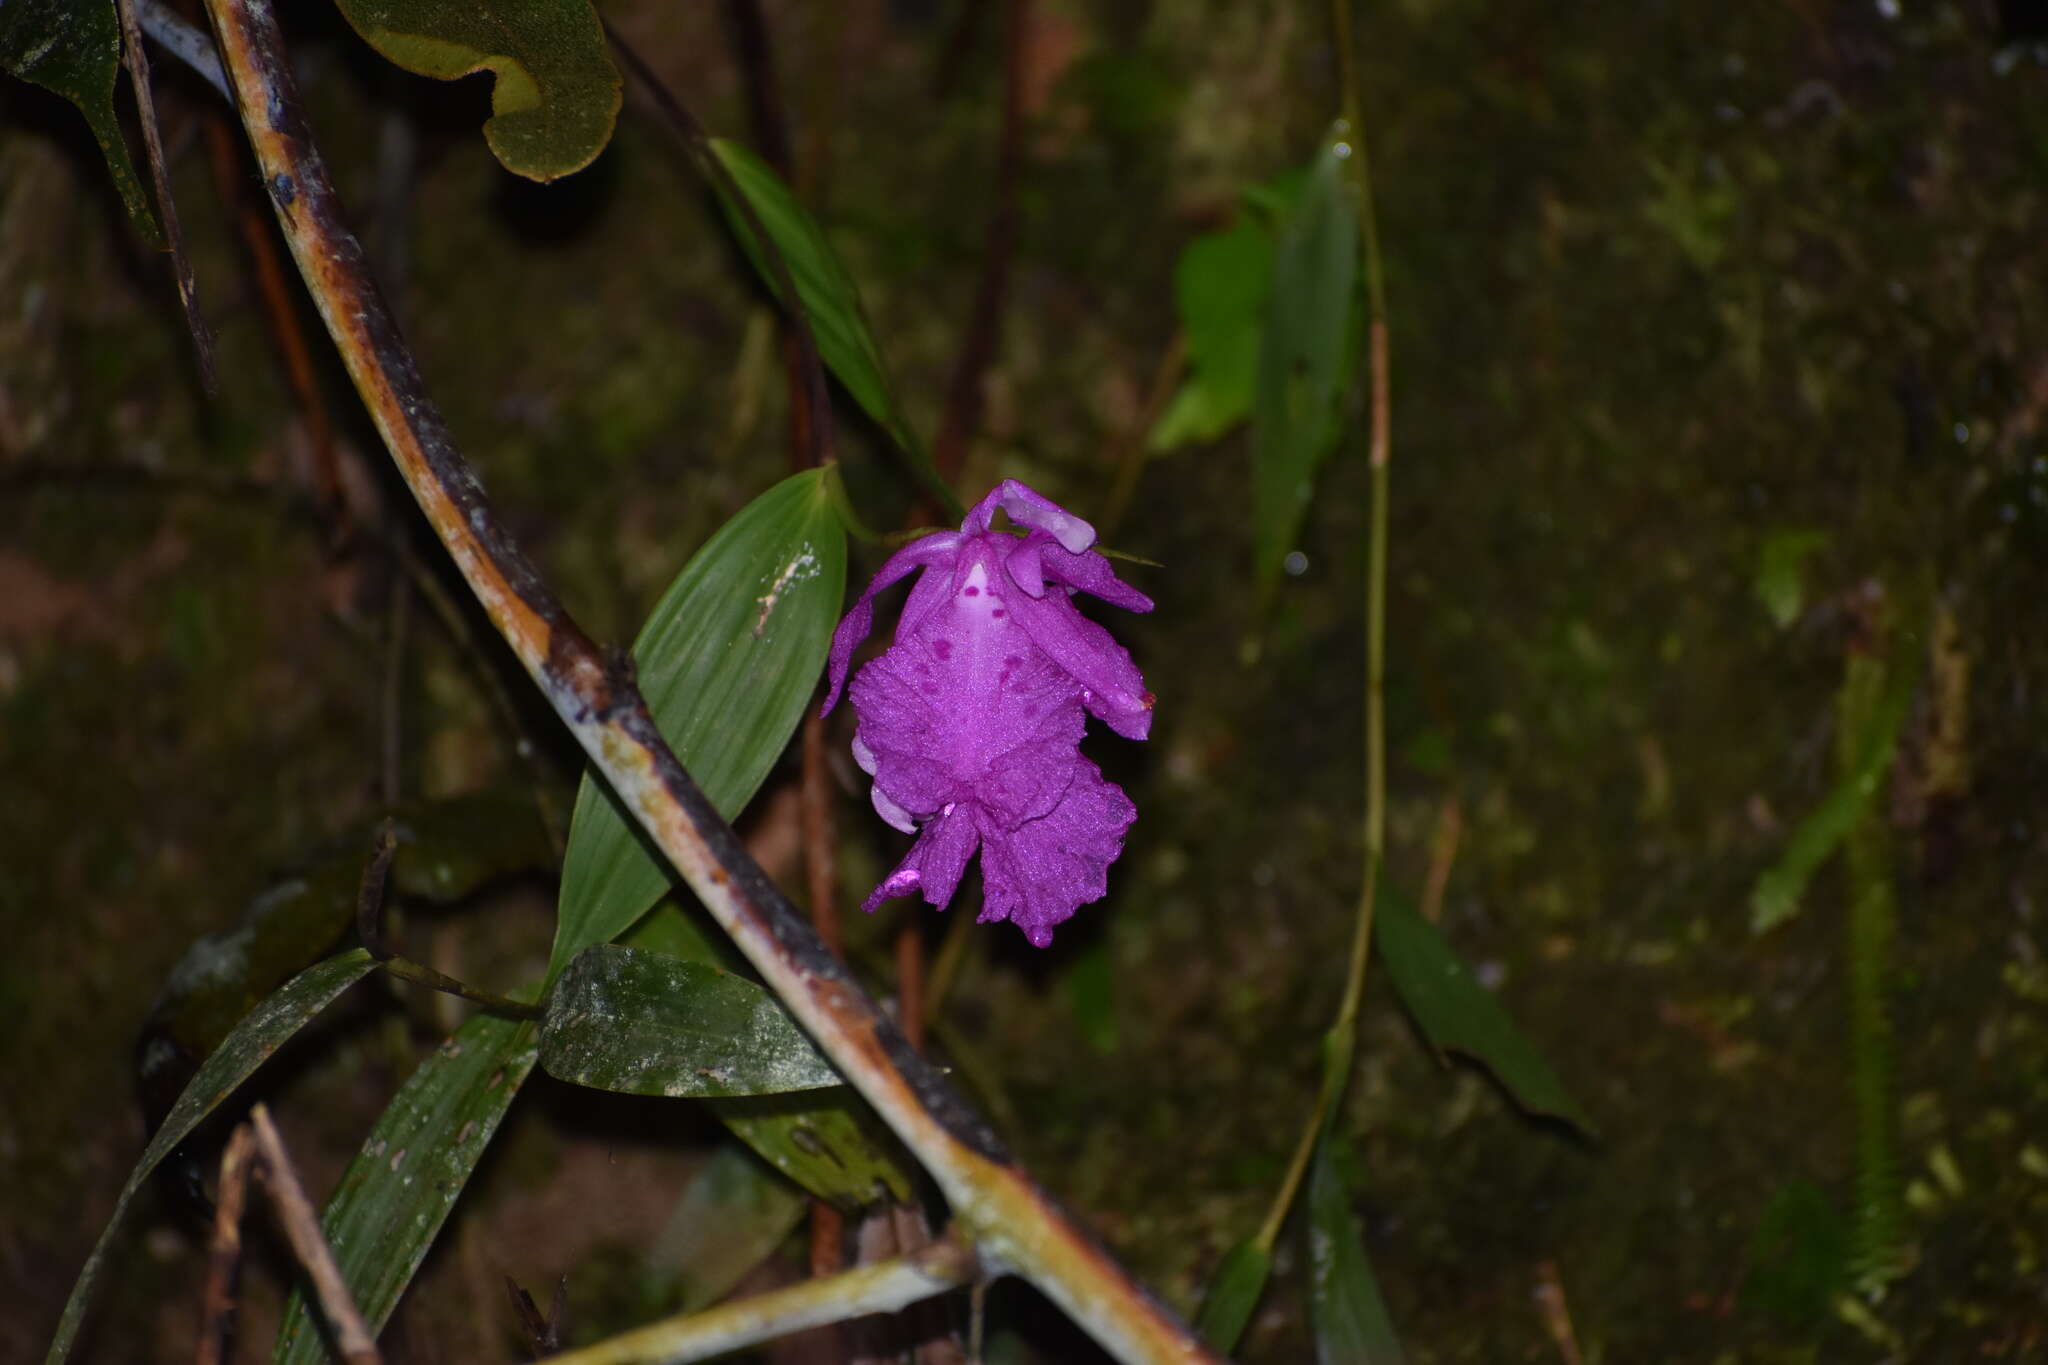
x=1338, y=1042
x=1878, y=1237
x=420, y=974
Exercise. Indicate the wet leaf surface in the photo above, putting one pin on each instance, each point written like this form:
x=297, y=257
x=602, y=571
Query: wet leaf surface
x=554, y=95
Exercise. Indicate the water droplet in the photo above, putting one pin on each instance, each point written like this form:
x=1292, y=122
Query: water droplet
x=1296, y=564
x=1962, y=430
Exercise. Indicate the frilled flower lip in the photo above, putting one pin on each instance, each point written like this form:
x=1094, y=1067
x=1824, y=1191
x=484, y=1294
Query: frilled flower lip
x=970, y=723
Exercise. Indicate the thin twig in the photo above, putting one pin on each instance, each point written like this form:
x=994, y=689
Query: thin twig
x=181, y=39
x=370, y=929
x=910, y=976
x=309, y=1244
x=884, y=1287
x=1130, y=449
x=1013, y=1224
x=1443, y=852
x=764, y=89
x=370, y=891
x=953, y=949
x=818, y=435
x=280, y=316
x=809, y=406
x=961, y=421
x=821, y=863
x=224, y=1260
x=1556, y=1313
x=137, y=60
x=391, y=697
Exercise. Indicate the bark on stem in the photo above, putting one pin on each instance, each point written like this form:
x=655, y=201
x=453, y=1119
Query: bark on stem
x=1012, y=1224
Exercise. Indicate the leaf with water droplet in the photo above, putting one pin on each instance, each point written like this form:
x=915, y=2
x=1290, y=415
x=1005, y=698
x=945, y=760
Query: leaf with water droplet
x=401, y=1186
x=645, y=1023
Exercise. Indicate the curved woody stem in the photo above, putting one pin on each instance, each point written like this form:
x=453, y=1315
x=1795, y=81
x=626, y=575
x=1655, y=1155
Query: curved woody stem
x=1011, y=1223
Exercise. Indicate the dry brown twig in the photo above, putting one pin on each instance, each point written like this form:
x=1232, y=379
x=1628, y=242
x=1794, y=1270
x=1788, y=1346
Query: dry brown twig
x=224, y=1260
x=136, y=58
x=302, y=1229
x=256, y=1149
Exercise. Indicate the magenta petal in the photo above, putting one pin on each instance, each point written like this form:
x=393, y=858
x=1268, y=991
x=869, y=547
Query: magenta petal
x=1027, y=507
x=935, y=862
x=1112, y=687
x=1023, y=565
x=1092, y=574
x=930, y=550
x=1036, y=875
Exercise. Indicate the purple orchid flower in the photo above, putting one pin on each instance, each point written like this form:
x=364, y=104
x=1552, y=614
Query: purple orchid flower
x=971, y=723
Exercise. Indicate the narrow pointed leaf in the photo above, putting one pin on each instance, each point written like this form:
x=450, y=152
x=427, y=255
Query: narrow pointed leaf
x=1457, y=1014
x=645, y=1023
x=555, y=94
x=1234, y=1294
x=260, y=1033
x=733, y=1216
x=828, y=1141
x=73, y=48
x=827, y=293
x=1351, y=1322
x=397, y=1192
x=1302, y=361
x=1220, y=284
x=727, y=661
x=1778, y=891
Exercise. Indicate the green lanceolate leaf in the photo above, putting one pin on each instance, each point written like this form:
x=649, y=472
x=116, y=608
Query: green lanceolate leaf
x=1233, y=1294
x=1457, y=1014
x=1221, y=286
x=827, y=1141
x=645, y=1023
x=556, y=94
x=1778, y=891
x=727, y=662
x=73, y=48
x=828, y=295
x=1350, y=1317
x=732, y=1217
x=252, y=1041
x=1302, y=361
x=397, y=1192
